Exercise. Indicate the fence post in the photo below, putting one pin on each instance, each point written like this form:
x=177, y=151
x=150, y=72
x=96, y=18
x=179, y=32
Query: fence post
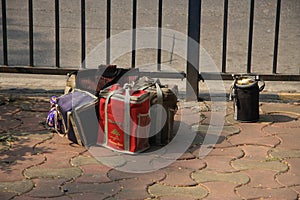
x=30, y=16
x=193, y=49
x=224, y=50
x=4, y=34
x=83, y=33
x=108, y=16
x=276, y=38
x=250, y=36
x=133, y=53
x=160, y=7
x=57, y=49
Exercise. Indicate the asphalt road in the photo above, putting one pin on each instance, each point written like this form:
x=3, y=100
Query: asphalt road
x=174, y=17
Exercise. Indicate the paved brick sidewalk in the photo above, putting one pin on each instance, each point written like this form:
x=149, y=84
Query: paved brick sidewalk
x=250, y=160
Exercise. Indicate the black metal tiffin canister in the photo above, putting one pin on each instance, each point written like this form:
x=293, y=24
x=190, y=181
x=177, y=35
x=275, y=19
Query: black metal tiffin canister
x=245, y=95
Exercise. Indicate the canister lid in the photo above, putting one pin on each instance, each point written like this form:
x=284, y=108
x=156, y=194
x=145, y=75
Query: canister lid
x=245, y=81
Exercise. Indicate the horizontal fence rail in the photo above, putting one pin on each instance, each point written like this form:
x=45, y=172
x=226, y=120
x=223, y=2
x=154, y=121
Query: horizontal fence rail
x=193, y=74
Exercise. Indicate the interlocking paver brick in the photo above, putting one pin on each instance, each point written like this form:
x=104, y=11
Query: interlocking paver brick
x=219, y=163
x=296, y=189
x=18, y=187
x=186, y=116
x=9, y=109
x=94, y=173
x=159, y=190
x=83, y=160
x=262, y=179
x=133, y=189
x=230, y=119
x=24, y=197
x=11, y=168
x=99, y=151
x=254, y=152
x=101, y=188
x=217, y=120
x=9, y=123
x=292, y=177
x=221, y=190
x=225, y=130
x=245, y=164
x=251, y=135
x=150, y=177
x=266, y=119
x=41, y=172
x=275, y=130
x=283, y=153
x=177, y=197
x=280, y=108
x=186, y=156
x=178, y=177
x=47, y=188
x=30, y=122
x=58, y=160
x=199, y=139
x=223, y=144
x=88, y=196
x=60, y=144
x=36, y=137
x=112, y=161
x=259, y=193
x=204, y=176
x=194, y=164
x=16, y=152
x=27, y=142
x=288, y=140
x=279, y=119
x=229, y=152
x=139, y=163
x=7, y=195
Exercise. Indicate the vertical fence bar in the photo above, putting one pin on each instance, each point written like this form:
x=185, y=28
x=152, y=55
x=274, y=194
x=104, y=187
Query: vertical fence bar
x=133, y=53
x=276, y=38
x=57, y=48
x=30, y=16
x=160, y=7
x=83, y=33
x=224, y=50
x=250, y=36
x=108, y=19
x=193, y=49
x=4, y=34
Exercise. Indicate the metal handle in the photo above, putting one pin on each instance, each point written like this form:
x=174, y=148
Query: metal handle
x=262, y=87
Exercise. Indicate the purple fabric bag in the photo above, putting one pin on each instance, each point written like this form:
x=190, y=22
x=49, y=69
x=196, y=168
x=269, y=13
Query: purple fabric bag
x=68, y=106
x=53, y=121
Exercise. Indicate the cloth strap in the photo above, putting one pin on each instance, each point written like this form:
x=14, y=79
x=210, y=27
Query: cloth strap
x=159, y=112
x=127, y=118
x=106, y=115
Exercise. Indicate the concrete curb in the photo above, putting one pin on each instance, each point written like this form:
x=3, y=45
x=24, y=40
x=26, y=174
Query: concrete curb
x=289, y=96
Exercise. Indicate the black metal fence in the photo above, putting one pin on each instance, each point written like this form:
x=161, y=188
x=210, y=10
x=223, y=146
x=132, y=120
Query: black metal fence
x=194, y=25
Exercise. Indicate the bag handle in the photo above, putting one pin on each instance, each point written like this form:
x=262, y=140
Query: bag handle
x=127, y=120
x=110, y=94
x=262, y=87
x=159, y=111
x=127, y=117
